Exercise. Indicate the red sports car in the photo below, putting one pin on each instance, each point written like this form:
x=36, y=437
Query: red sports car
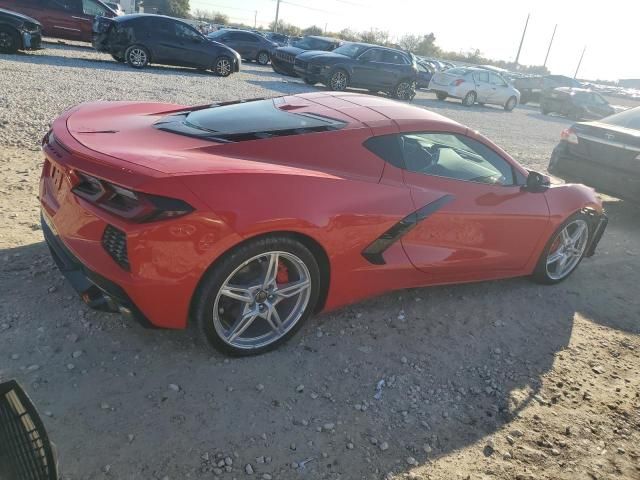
x=249, y=216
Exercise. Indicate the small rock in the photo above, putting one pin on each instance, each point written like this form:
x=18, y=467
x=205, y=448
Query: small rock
x=300, y=388
x=349, y=446
x=516, y=433
x=15, y=356
x=411, y=461
x=174, y=387
x=260, y=387
x=52, y=289
x=205, y=456
x=404, y=360
x=621, y=451
x=228, y=461
x=384, y=446
x=33, y=368
x=106, y=468
x=48, y=413
x=266, y=476
x=510, y=439
x=248, y=469
x=130, y=437
x=327, y=427
x=105, y=406
x=70, y=366
x=598, y=369
x=427, y=448
x=555, y=451
x=76, y=354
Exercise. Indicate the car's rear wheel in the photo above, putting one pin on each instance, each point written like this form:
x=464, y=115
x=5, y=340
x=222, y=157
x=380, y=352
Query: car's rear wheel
x=564, y=250
x=118, y=58
x=258, y=295
x=441, y=96
x=9, y=40
x=222, y=66
x=405, y=90
x=263, y=58
x=339, y=80
x=511, y=104
x=137, y=56
x=469, y=99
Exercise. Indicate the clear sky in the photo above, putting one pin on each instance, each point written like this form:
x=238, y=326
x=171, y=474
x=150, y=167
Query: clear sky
x=609, y=29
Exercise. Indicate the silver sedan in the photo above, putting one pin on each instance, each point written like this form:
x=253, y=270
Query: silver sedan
x=475, y=85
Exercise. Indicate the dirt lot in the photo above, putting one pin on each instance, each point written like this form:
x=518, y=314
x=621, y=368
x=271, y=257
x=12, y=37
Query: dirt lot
x=503, y=380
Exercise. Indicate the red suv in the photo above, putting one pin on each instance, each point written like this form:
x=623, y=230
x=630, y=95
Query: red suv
x=70, y=19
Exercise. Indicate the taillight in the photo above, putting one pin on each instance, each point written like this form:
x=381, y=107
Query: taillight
x=569, y=136
x=133, y=206
x=455, y=83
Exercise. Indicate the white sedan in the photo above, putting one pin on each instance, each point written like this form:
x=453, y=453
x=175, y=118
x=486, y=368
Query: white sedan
x=475, y=85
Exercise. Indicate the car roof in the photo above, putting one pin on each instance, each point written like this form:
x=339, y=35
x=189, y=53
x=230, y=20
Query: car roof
x=326, y=39
x=362, y=44
x=134, y=16
x=573, y=89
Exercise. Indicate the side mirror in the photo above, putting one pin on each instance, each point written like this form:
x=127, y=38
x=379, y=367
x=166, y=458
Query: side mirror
x=537, y=182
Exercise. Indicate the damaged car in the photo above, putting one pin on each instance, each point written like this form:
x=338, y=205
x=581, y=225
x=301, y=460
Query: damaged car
x=18, y=32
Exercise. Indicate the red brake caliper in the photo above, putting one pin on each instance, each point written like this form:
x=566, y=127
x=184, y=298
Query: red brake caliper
x=283, y=273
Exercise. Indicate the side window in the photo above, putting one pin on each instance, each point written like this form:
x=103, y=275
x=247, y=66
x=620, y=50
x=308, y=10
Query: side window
x=454, y=156
x=247, y=37
x=186, y=32
x=371, y=55
x=91, y=7
x=393, y=57
x=74, y=6
x=497, y=80
x=164, y=27
x=481, y=77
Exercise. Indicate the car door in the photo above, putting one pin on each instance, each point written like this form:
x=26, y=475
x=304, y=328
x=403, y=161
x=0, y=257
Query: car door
x=191, y=46
x=474, y=221
x=57, y=18
x=365, y=68
x=499, y=93
x=483, y=87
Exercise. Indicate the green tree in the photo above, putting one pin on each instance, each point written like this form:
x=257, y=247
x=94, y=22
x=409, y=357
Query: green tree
x=348, y=35
x=286, y=28
x=313, y=30
x=410, y=42
x=375, y=36
x=427, y=46
x=173, y=8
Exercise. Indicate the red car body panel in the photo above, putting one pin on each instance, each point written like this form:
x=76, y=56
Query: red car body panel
x=70, y=23
x=325, y=187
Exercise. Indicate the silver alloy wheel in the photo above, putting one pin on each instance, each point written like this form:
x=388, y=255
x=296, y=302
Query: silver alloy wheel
x=469, y=99
x=263, y=58
x=511, y=103
x=404, y=91
x=339, y=81
x=255, y=307
x=567, y=249
x=137, y=57
x=223, y=67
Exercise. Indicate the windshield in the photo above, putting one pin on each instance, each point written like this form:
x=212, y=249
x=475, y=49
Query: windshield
x=308, y=43
x=351, y=49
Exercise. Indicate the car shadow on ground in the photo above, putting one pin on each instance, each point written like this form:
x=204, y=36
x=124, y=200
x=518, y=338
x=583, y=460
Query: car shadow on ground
x=458, y=363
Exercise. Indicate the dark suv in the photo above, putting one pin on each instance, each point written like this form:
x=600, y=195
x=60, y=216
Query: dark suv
x=250, y=46
x=18, y=32
x=283, y=58
x=361, y=65
x=575, y=103
x=140, y=39
x=531, y=87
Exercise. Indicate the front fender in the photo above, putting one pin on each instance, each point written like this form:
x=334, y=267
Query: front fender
x=566, y=199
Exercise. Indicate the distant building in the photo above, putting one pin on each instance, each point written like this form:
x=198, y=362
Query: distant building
x=153, y=6
x=630, y=83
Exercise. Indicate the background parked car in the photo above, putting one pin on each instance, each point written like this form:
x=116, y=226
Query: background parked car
x=140, y=39
x=425, y=72
x=18, y=32
x=282, y=60
x=473, y=85
x=69, y=19
x=361, y=65
x=279, y=38
x=575, y=103
x=251, y=46
x=530, y=87
x=115, y=7
x=603, y=154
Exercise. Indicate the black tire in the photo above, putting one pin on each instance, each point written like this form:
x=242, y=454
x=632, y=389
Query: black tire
x=9, y=40
x=223, y=66
x=309, y=81
x=469, y=99
x=511, y=104
x=118, y=58
x=338, y=80
x=544, y=110
x=263, y=58
x=137, y=56
x=404, y=90
x=441, y=96
x=540, y=274
x=214, y=279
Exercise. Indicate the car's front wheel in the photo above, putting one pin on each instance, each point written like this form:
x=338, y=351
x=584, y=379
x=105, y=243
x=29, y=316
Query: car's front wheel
x=137, y=56
x=222, y=67
x=9, y=40
x=263, y=58
x=405, y=90
x=258, y=295
x=469, y=99
x=511, y=104
x=339, y=80
x=441, y=96
x=564, y=250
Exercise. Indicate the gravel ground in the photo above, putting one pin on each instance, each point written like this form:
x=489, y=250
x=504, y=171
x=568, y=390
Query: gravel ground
x=505, y=380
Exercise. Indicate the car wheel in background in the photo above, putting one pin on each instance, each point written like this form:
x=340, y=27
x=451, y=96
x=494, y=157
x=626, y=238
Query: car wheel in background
x=469, y=99
x=137, y=56
x=441, y=96
x=564, y=251
x=405, y=90
x=309, y=81
x=9, y=40
x=222, y=67
x=543, y=109
x=339, y=80
x=263, y=58
x=118, y=58
x=511, y=104
x=258, y=295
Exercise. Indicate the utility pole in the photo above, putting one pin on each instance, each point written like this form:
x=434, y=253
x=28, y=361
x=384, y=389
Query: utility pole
x=325, y=27
x=522, y=39
x=275, y=27
x=580, y=62
x=550, y=43
x=255, y=19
